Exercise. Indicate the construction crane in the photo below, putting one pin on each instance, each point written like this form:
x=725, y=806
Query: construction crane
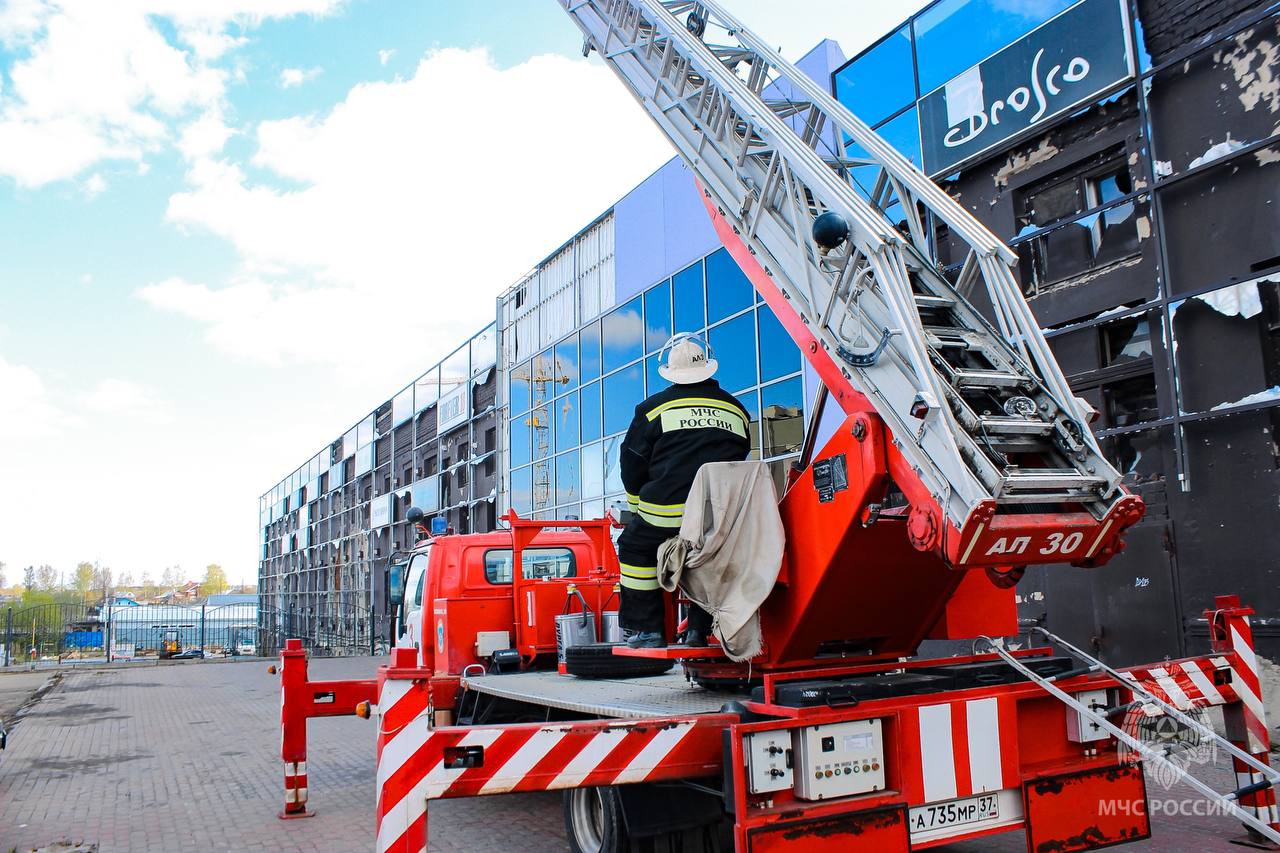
x=835, y=737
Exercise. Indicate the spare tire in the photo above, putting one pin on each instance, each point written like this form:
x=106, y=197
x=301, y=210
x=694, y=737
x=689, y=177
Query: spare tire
x=597, y=660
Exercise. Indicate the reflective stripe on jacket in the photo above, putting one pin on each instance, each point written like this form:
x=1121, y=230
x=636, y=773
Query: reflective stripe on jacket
x=673, y=434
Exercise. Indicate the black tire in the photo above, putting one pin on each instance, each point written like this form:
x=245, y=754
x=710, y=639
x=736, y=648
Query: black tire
x=597, y=660
x=593, y=821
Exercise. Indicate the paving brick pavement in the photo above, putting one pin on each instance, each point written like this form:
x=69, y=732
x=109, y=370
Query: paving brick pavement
x=184, y=758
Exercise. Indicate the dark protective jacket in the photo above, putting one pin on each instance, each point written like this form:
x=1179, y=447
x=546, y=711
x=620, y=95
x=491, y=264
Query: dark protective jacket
x=675, y=432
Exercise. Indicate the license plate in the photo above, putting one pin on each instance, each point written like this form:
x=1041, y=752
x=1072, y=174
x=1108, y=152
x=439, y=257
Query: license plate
x=954, y=813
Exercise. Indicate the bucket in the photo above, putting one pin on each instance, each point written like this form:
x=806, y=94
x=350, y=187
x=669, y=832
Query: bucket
x=610, y=627
x=574, y=629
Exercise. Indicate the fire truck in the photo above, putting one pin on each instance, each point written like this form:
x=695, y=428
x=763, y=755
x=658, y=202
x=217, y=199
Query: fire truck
x=961, y=457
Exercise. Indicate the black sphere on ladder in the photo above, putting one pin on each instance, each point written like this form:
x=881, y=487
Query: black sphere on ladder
x=830, y=229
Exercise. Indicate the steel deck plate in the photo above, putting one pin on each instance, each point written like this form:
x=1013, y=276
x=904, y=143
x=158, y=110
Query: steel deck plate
x=626, y=698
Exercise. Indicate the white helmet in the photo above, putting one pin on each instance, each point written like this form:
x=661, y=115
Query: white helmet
x=686, y=359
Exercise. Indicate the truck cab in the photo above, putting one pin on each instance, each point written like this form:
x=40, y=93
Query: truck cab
x=463, y=600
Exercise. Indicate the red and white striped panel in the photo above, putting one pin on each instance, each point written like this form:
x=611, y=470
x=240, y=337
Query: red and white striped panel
x=417, y=763
x=1248, y=686
x=1189, y=684
x=966, y=748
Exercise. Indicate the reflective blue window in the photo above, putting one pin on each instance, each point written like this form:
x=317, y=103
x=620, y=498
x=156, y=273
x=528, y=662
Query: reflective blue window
x=734, y=343
x=590, y=402
x=612, y=467
x=779, y=355
x=566, y=412
x=654, y=381
x=520, y=441
x=566, y=364
x=568, y=478
x=686, y=291
x=957, y=34
x=542, y=426
x=522, y=490
x=881, y=81
x=543, y=378
x=542, y=489
x=782, y=421
x=520, y=388
x=657, y=316
x=589, y=367
x=728, y=290
x=622, y=335
x=593, y=470
x=623, y=391
x=751, y=402
x=903, y=133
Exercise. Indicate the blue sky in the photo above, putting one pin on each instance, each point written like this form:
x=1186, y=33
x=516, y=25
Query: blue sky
x=228, y=228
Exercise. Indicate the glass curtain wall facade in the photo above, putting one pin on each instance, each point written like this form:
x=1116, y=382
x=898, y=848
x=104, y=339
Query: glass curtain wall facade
x=331, y=529
x=1149, y=250
x=571, y=404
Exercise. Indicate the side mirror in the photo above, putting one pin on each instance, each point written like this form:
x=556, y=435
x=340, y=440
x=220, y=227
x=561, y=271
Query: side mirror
x=395, y=583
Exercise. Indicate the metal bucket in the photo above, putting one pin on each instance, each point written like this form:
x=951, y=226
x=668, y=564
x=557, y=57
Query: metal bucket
x=610, y=627
x=574, y=629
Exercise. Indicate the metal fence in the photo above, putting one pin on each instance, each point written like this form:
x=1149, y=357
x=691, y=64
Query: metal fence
x=336, y=630
x=60, y=633
x=64, y=633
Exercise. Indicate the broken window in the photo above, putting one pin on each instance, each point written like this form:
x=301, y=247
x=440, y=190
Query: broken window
x=1077, y=221
x=1112, y=366
x=1216, y=102
x=1219, y=225
x=1227, y=346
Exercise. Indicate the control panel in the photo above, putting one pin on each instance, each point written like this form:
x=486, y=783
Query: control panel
x=838, y=760
x=769, y=760
x=1081, y=729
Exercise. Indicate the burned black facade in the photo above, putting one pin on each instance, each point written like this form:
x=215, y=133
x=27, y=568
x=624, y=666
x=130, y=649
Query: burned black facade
x=1149, y=243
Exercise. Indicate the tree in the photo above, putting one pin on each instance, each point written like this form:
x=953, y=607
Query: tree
x=126, y=579
x=83, y=581
x=148, y=585
x=215, y=580
x=102, y=579
x=2, y=577
x=171, y=577
x=29, y=579
x=46, y=577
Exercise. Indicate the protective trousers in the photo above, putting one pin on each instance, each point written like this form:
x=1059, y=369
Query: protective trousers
x=642, y=607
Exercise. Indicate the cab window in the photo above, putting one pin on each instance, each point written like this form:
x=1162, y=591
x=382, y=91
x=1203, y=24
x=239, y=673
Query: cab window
x=418, y=566
x=537, y=563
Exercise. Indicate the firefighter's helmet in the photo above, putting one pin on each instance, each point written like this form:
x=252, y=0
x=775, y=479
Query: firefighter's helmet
x=686, y=359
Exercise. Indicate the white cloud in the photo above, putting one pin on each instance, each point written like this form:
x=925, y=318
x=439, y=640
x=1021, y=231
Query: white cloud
x=95, y=185
x=94, y=81
x=28, y=408
x=384, y=56
x=86, y=278
x=398, y=205
x=123, y=398
x=205, y=136
x=291, y=77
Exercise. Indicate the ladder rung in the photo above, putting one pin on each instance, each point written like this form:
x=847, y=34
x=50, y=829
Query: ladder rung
x=923, y=301
x=987, y=379
x=1019, y=426
x=1046, y=479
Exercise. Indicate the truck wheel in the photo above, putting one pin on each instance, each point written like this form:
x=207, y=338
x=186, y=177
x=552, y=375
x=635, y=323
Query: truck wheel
x=597, y=660
x=593, y=821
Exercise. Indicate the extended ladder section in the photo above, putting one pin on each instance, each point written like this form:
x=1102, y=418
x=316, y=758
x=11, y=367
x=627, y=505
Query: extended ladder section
x=981, y=412
x=1165, y=753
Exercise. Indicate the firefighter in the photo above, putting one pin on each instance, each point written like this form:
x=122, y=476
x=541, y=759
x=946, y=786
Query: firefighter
x=674, y=433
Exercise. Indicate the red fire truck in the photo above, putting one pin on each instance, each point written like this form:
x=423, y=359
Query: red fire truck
x=961, y=457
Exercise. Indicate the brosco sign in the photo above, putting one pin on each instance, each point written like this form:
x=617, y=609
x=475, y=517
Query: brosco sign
x=1060, y=65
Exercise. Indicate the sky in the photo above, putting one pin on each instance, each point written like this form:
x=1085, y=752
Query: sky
x=230, y=228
